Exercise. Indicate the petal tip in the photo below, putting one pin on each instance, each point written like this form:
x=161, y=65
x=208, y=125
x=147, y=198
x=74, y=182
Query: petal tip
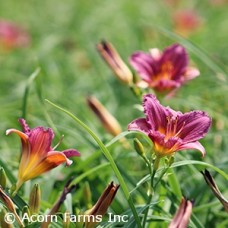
x=8, y=131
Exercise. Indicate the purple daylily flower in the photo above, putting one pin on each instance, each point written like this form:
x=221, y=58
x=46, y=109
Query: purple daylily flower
x=37, y=155
x=171, y=131
x=165, y=71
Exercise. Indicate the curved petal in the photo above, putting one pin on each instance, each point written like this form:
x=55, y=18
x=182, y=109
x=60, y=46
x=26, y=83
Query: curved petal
x=191, y=73
x=52, y=160
x=40, y=140
x=155, y=54
x=22, y=135
x=193, y=126
x=177, y=56
x=139, y=125
x=143, y=64
x=71, y=153
x=155, y=113
x=194, y=145
x=24, y=125
x=25, y=154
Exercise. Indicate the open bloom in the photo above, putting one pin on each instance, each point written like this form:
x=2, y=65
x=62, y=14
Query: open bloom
x=37, y=154
x=182, y=215
x=113, y=59
x=171, y=131
x=163, y=71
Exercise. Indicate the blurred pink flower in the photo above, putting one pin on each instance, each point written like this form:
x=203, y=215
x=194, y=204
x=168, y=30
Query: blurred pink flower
x=169, y=130
x=165, y=71
x=186, y=21
x=218, y=2
x=12, y=36
x=183, y=214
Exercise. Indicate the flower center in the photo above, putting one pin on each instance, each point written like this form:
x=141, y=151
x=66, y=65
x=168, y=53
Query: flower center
x=171, y=127
x=166, y=71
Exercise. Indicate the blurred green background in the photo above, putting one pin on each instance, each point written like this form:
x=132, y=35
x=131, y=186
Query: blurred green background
x=64, y=35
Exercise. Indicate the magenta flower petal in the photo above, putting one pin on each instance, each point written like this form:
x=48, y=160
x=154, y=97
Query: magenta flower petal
x=170, y=130
x=139, y=125
x=191, y=73
x=165, y=71
x=40, y=140
x=194, y=146
x=37, y=154
x=193, y=125
x=177, y=56
x=143, y=64
x=24, y=125
x=155, y=112
x=71, y=153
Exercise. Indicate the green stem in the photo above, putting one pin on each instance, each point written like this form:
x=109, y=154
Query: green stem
x=160, y=177
x=109, y=158
x=26, y=93
x=151, y=190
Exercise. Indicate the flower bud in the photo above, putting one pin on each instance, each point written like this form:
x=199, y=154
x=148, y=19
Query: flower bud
x=213, y=186
x=66, y=220
x=34, y=199
x=101, y=206
x=3, y=223
x=26, y=211
x=87, y=195
x=113, y=59
x=139, y=147
x=108, y=121
x=2, y=178
x=10, y=205
x=182, y=215
x=169, y=160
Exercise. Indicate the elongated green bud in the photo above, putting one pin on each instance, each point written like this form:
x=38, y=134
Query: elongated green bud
x=3, y=222
x=6, y=200
x=2, y=178
x=88, y=195
x=26, y=211
x=34, y=199
x=66, y=220
x=169, y=160
x=139, y=147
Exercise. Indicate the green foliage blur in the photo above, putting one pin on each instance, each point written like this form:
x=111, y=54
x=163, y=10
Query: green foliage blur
x=63, y=42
